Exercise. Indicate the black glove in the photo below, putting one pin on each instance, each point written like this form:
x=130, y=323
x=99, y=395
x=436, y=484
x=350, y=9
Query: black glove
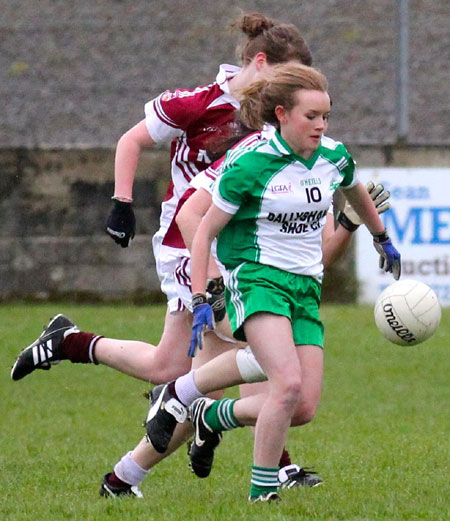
x=215, y=292
x=121, y=223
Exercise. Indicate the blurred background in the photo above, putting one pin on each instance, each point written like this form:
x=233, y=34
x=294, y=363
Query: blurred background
x=76, y=75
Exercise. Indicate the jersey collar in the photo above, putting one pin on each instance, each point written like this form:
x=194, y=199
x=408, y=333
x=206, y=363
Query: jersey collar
x=282, y=147
x=226, y=72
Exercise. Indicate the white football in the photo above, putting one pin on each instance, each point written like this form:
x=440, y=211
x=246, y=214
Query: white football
x=407, y=312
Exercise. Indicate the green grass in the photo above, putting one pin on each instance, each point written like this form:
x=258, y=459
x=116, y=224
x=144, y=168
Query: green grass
x=381, y=437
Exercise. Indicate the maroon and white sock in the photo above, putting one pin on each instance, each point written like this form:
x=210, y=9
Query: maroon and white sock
x=285, y=459
x=116, y=482
x=79, y=348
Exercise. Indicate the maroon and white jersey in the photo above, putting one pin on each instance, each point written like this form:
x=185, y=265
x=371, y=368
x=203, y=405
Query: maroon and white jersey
x=206, y=178
x=188, y=119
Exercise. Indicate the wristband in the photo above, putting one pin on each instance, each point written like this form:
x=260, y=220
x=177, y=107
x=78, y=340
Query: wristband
x=122, y=208
x=380, y=237
x=346, y=223
x=122, y=199
x=198, y=299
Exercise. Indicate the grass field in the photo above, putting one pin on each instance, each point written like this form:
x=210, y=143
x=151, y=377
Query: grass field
x=380, y=440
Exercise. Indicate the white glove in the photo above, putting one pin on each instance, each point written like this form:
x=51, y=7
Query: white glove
x=379, y=197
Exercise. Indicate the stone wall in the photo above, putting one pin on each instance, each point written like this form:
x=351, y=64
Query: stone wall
x=75, y=75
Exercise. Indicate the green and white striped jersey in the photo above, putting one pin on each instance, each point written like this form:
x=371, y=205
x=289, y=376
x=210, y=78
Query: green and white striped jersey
x=279, y=203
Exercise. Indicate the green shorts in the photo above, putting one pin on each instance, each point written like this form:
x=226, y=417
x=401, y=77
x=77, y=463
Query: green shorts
x=254, y=288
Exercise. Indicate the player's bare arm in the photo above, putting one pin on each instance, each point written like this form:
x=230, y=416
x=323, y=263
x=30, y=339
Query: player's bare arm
x=129, y=148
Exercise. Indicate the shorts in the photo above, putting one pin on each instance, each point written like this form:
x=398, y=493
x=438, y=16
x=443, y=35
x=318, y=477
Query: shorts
x=254, y=288
x=167, y=259
x=182, y=276
x=183, y=287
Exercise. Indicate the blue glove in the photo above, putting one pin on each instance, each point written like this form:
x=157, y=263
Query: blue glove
x=203, y=319
x=389, y=256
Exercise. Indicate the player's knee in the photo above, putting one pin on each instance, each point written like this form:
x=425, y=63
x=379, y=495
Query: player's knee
x=289, y=392
x=163, y=369
x=249, y=368
x=304, y=414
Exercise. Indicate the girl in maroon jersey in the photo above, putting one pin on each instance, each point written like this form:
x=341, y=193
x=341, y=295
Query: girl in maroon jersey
x=187, y=119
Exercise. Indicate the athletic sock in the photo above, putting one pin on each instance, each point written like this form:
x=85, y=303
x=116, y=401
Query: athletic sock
x=128, y=471
x=220, y=417
x=185, y=389
x=79, y=348
x=264, y=480
x=114, y=481
x=285, y=459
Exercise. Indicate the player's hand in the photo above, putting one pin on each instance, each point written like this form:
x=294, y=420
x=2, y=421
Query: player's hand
x=379, y=197
x=390, y=259
x=215, y=292
x=203, y=320
x=121, y=223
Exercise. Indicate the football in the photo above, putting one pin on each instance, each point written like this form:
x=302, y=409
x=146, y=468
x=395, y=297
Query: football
x=407, y=312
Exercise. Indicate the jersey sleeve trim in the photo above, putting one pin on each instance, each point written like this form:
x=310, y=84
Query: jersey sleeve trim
x=205, y=180
x=160, y=127
x=353, y=183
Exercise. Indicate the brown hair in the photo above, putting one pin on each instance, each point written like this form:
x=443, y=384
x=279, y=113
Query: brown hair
x=262, y=97
x=280, y=42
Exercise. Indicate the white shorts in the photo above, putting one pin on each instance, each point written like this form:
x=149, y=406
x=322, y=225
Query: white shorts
x=167, y=259
x=183, y=277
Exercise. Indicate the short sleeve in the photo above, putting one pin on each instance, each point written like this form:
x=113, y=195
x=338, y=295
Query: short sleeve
x=205, y=179
x=169, y=115
x=349, y=172
x=232, y=188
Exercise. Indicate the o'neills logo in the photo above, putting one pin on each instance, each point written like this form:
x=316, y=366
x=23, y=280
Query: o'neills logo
x=400, y=330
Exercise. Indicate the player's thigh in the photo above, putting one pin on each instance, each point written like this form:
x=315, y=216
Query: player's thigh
x=174, y=344
x=270, y=337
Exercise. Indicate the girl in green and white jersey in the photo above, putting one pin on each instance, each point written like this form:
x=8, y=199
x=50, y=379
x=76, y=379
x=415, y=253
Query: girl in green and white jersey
x=269, y=208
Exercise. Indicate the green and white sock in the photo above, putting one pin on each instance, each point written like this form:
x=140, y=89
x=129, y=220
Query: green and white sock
x=219, y=416
x=264, y=480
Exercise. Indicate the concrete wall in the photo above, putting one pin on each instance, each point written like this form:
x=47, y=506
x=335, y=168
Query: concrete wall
x=77, y=74
x=54, y=204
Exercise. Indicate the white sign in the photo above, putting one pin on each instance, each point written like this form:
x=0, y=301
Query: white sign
x=419, y=226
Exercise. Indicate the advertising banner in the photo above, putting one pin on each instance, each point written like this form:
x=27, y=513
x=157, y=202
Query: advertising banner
x=419, y=226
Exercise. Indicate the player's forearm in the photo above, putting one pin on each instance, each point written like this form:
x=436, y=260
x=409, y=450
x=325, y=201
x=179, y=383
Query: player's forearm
x=201, y=246
x=359, y=198
x=188, y=223
x=335, y=246
x=126, y=161
x=128, y=151
x=191, y=213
